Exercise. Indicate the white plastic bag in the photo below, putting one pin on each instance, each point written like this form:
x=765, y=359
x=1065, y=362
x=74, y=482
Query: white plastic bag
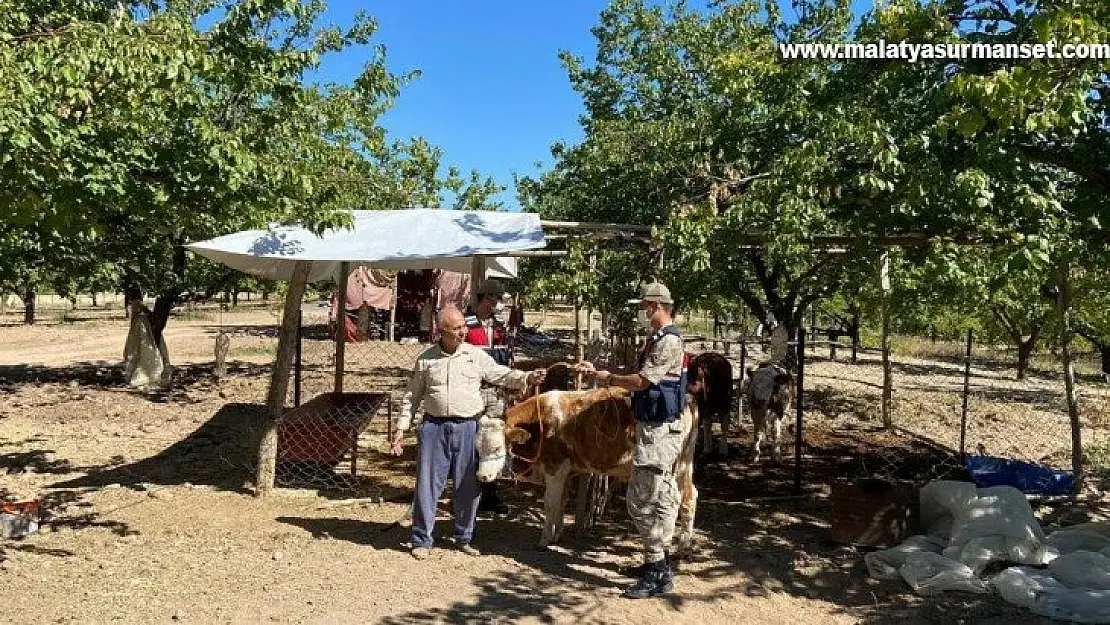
x=1084, y=537
x=1079, y=605
x=931, y=573
x=998, y=525
x=1082, y=569
x=939, y=500
x=885, y=564
x=1022, y=585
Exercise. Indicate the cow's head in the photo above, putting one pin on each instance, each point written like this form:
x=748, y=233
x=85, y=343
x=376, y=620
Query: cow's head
x=697, y=381
x=493, y=443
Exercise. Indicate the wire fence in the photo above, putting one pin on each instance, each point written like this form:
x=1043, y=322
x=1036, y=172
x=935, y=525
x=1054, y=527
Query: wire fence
x=324, y=444
x=841, y=422
x=331, y=430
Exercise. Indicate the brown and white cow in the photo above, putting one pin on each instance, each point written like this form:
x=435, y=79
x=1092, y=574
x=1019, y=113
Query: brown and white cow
x=560, y=433
x=770, y=392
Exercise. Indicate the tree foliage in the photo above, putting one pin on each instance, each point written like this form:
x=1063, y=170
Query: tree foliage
x=128, y=129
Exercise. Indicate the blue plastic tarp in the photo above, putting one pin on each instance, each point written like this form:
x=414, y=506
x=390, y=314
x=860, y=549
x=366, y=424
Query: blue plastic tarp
x=1028, y=477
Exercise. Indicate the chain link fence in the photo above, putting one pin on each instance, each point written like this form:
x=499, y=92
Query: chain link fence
x=327, y=435
x=323, y=443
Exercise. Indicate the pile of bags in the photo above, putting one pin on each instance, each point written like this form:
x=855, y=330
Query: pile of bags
x=1062, y=575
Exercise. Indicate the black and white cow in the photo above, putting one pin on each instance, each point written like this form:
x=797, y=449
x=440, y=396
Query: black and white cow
x=770, y=391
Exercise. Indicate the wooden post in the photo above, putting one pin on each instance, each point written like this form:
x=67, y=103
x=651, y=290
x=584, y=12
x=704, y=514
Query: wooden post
x=884, y=283
x=716, y=329
x=341, y=327
x=1063, y=300
x=266, y=471
x=967, y=390
x=799, y=421
x=855, y=333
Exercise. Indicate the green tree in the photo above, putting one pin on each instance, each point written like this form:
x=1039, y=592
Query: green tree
x=131, y=125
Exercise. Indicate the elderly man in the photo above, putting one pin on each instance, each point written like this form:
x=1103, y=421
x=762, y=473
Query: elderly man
x=446, y=381
x=658, y=398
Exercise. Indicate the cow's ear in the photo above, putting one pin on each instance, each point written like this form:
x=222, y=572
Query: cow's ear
x=517, y=435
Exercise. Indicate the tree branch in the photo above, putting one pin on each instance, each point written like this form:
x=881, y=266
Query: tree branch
x=1092, y=173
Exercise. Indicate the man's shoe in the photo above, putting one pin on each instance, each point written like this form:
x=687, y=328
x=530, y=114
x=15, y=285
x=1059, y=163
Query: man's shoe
x=657, y=580
x=421, y=553
x=469, y=549
x=637, y=571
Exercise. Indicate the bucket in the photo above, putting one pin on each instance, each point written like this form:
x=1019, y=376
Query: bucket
x=19, y=518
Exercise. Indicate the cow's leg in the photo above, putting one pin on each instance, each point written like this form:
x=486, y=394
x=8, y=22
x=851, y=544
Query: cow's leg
x=706, y=428
x=776, y=436
x=688, y=493
x=723, y=419
x=759, y=424
x=554, y=501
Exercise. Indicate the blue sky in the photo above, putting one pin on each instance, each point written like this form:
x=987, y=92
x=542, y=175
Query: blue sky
x=493, y=94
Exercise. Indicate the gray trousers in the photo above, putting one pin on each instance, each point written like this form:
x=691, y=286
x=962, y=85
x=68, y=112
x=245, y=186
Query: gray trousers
x=653, y=499
x=446, y=449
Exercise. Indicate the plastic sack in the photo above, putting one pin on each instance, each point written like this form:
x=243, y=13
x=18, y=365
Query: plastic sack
x=939, y=500
x=1079, y=605
x=1028, y=477
x=979, y=552
x=931, y=573
x=998, y=525
x=1084, y=537
x=886, y=564
x=1022, y=585
x=1082, y=569
x=997, y=511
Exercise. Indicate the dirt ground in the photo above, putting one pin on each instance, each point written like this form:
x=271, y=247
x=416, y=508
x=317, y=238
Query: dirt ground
x=153, y=520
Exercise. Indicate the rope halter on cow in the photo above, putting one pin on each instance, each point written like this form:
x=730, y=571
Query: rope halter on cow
x=539, y=421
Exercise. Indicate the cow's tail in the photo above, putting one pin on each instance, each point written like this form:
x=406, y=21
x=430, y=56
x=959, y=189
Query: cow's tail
x=684, y=476
x=687, y=452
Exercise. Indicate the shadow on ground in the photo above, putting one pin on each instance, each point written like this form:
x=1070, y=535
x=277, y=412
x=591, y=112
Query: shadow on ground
x=221, y=453
x=104, y=375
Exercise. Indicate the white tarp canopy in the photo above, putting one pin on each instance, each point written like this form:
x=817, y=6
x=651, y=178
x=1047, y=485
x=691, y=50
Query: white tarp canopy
x=410, y=239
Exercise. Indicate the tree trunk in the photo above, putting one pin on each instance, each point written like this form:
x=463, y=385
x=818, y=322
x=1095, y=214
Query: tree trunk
x=29, y=296
x=131, y=293
x=234, y=298
x=1024, y=353
x=160, y=314
x=165, y=302
x=1104, y=351
x=279, y=379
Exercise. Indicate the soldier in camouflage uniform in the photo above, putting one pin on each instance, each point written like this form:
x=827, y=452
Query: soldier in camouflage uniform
x=658, y=398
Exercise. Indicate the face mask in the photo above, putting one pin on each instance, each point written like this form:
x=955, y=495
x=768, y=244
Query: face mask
x=499, y=308
x=643, y=319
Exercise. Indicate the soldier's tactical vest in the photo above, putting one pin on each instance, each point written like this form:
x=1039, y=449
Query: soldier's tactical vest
x=665, y=401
